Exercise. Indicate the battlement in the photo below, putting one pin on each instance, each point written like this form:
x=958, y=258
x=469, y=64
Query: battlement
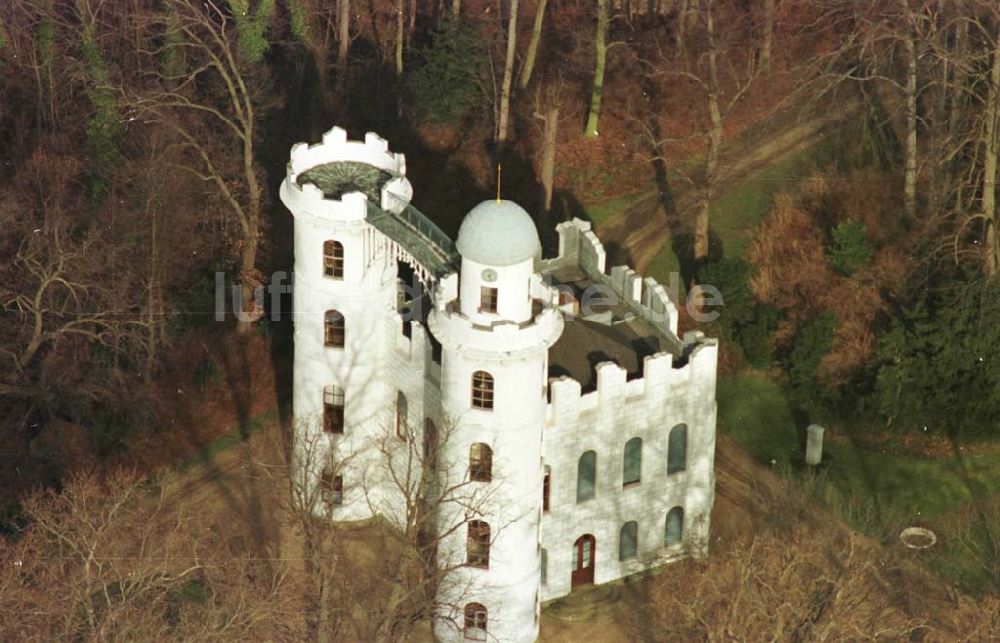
x=579, y=247
x=663, y=379
x=328, y=160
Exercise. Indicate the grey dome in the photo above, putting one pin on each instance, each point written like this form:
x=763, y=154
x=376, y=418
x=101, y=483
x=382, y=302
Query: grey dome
x=498, y=233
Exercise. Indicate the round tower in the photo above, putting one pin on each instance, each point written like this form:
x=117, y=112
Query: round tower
x=495, y=326
x=344, y=286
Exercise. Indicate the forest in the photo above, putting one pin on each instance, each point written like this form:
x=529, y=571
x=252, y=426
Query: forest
x=829, y=165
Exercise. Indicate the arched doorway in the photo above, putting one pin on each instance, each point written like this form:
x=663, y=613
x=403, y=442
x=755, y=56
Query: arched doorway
x=584, y=553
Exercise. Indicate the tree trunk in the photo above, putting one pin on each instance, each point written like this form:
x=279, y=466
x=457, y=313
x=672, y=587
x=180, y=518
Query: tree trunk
x=701, y=224
x=989, y=203
x=602, y=49
x=681, y=28
x=456, y=9
x=536, y=37
x=910, y=171
x=549, y=156
x=768, y=36
x=400, y=11
x=508, y=73
x=344, y=43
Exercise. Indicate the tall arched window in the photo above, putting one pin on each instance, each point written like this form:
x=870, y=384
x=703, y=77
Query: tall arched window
x=333, y=329
x=677, y=449
x=332, y=488
x=628, y=541
x=333, y=409
x=480, y=462
x=402, y=410
x=475, y=622
x=482, y=390
x=674, y=533
x=632, y=462
x=477, y=544
x=333, y=259
x=586, y=474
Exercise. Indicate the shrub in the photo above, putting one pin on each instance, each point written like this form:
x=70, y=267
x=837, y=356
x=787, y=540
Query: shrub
x=744, y=321
x=850, y=250
x=812, y=342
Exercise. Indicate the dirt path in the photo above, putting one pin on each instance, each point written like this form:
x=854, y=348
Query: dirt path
x=637, y=235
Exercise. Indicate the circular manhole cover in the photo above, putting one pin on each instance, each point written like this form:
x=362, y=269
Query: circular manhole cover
x=917, y=538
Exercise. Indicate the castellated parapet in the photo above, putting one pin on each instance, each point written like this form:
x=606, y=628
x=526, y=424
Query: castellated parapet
x=590, y=476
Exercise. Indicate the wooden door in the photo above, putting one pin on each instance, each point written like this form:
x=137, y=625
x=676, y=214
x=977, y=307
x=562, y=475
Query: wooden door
x=584, y=552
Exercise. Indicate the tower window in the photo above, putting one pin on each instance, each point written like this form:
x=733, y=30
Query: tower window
x=333, y=409
x=628, y=543
x=487, y=299
x=586, y=475
x=333, y=329
x=480, y=462
x=677, y=449
x=482, y=390
x=546, y=487
x=402, y=409
x=544, y=566
x=333, y=259
x=632, y=462
x=332, y=488
x=478, y=544
x=675, y=527
x=475, y=622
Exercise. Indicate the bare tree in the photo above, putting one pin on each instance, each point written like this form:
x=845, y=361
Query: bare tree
x=203, y=124
x=601, y=48
x=508, y=74
x=536, y=38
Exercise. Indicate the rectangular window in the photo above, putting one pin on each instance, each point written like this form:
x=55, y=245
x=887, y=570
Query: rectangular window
x=487, y=300
x=332, y=488
x=333, y=409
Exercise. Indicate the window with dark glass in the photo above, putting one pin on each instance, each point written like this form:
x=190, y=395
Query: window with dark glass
x=488, y=299
x=677, y=449
x=674, y=533
x=333, y=329
x=478, y=544
x=333, y=259
x=333, y=409
x=475, y=622
x=480, y=462
x=482, y=390
x=586, y=474
x=546, y=488
x=632, y=462
x=402, y=409
x=628, y=543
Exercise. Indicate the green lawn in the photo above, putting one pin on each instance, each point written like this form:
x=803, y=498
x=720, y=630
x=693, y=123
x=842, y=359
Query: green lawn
x=875, y=491
x=603, y=211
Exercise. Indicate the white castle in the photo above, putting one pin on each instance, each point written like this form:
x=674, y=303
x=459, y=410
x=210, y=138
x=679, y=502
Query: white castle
x=548, y=404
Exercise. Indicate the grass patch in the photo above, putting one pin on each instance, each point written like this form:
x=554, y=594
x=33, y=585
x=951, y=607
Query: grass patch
x=602, y=211
x=874, y=491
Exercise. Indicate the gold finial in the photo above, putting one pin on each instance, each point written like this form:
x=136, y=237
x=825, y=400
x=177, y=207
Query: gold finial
x=498, y=183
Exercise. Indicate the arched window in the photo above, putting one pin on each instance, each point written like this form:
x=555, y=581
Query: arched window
x=546, y=488
x=475, y=622
x=675, y=527
x=333, y=329
x=632, y=462
x=628, y=542
x=477, y=544
x=482, y=390
x=333, y=409
x=402, y=409
x=480, y=462
x=586, y=474
x=677, y=449
x=333, y=259
x=332, y=488
x=545, y=565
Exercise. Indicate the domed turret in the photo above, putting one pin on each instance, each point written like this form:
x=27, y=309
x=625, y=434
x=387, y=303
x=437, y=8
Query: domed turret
x=498, y=233
x=498, y=243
